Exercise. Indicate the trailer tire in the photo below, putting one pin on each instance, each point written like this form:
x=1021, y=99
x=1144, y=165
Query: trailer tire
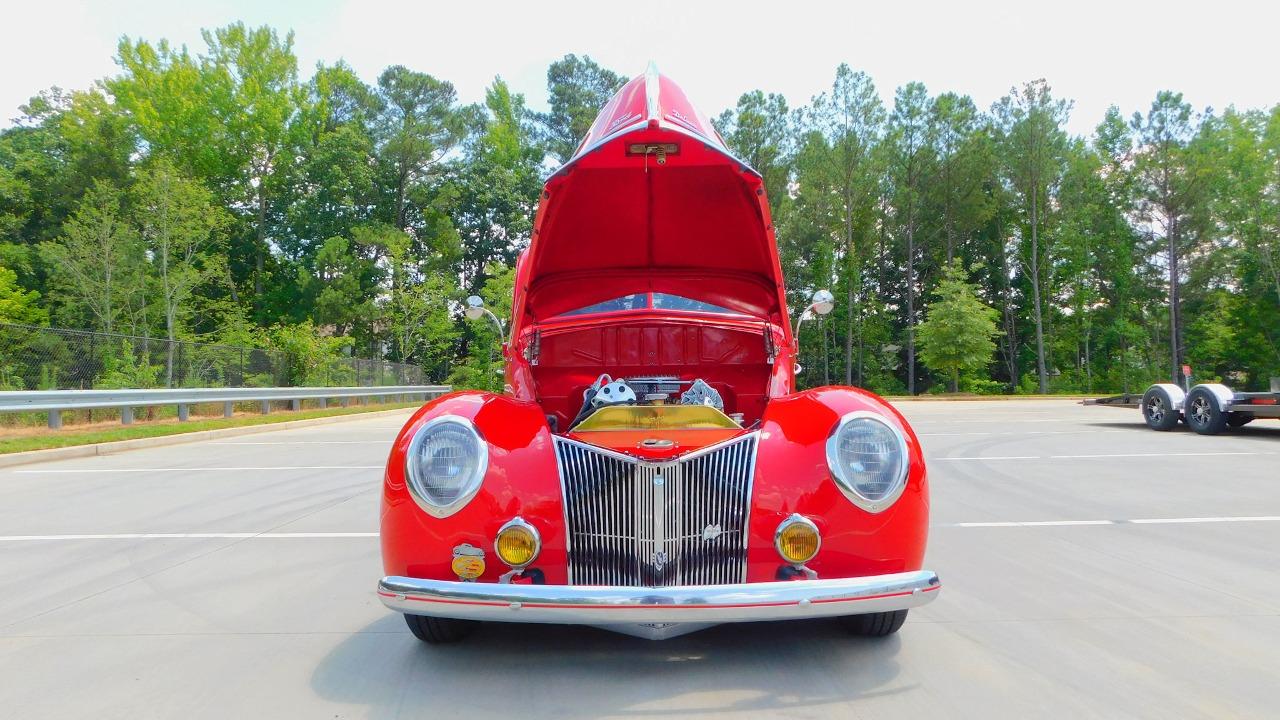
x=1239, y=419
x=1203, y=413
x=1158, y=409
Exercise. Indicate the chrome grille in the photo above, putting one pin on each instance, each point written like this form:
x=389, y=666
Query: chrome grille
x=682, y=522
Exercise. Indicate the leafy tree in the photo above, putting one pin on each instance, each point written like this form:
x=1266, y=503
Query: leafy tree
x=344, y=289
x=180, y=226
x=577, y=88
x=482, y=368
x=956, y=336
x=1171, y=193
x=849, y=122
x=911, y=158
x=1032, y=145
x=420, y=123
x=99, y=257
x=758, y=130
x=18, y=305
x=497, y=187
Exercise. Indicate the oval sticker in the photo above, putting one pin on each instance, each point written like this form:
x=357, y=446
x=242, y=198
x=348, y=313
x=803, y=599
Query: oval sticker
x=468, y=567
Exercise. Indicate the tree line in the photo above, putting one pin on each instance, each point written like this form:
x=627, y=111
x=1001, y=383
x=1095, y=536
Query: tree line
x=222, y=196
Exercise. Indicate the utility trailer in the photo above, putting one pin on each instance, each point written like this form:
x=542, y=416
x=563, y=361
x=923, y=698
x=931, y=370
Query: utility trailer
x=1209, y=408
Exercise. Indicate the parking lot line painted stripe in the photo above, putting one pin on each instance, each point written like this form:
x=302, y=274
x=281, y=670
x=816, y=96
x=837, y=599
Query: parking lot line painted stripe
x=1160, y=521
x=993, y=457
x=974, y=421
x=1137, y=521
x=190, y=536
x=1157, y=454
x=1103, y=455
x=48, y=471
x=1025, y=432
x=1030, y=523
x=311, y=442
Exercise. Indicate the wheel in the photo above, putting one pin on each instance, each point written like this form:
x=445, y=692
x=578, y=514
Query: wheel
x=1238, y=419
x=1203, y=414
x=1158, y=409
x=439, y=631
x=879, y=624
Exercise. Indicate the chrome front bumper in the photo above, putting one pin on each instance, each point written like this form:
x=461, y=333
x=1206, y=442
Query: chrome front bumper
x=660, y=606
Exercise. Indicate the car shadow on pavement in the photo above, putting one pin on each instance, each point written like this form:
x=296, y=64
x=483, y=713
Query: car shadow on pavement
x=569, y=672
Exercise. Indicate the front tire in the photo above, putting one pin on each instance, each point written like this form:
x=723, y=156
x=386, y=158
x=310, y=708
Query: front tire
x=1158, y=409
x=439, y=631
x=881, y=624
x=1203, y=414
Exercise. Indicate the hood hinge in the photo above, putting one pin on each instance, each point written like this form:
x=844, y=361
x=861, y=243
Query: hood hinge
x=533, y=347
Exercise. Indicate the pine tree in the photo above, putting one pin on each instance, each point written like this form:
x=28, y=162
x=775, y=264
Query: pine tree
x=957, y=333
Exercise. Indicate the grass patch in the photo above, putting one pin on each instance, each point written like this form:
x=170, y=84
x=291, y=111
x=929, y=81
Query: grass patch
x=69, y=437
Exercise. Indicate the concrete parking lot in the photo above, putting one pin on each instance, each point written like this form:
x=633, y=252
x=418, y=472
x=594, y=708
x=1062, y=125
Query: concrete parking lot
x=1091, y=568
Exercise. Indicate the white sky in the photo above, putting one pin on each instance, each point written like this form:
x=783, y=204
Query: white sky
x=1095, y=53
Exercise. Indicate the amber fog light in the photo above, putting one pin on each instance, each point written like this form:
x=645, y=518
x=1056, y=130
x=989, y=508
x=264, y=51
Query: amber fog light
x=797, y=540
x=518, y=543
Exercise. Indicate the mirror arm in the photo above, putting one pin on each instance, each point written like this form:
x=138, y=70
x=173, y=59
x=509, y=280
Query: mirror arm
x=808, y=313
x=502, y=331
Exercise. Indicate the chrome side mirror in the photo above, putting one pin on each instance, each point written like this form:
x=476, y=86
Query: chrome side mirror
x=823, y=302
x=475, y=310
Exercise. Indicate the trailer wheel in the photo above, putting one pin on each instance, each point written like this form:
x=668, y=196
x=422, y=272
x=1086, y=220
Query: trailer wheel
x=1203, y=414
x=1158, y=409
x=1239, y=419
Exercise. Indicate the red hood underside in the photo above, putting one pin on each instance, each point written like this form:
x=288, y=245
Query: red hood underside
x=614, y=220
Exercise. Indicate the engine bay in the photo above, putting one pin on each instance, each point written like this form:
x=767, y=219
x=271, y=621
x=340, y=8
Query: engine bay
x=652, y=391
x=659, y=360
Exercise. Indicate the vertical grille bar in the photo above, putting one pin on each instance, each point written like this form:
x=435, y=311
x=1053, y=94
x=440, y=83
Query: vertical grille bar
x=624, y=528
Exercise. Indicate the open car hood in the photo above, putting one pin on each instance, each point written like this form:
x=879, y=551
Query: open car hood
x=652, y=200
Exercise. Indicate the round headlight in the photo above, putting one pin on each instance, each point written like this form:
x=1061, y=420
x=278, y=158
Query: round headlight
x=868, y=460
x=518, y=543
x=797, y=540
x=446, y=461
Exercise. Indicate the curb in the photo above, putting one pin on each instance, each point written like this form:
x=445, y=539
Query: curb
x=80, y=451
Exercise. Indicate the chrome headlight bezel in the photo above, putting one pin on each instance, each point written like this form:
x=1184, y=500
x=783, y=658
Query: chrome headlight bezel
x=413, y=472
x=839, y=472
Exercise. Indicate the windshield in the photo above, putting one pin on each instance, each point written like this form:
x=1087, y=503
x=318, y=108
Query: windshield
x=647, y=301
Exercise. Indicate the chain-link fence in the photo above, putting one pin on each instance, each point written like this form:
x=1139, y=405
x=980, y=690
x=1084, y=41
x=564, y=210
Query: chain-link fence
x=38, y=358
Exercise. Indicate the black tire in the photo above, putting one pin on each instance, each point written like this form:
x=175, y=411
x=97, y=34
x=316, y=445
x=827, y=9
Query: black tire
x=439, y=631
x=1203, y=414
x=1239, y=419
x=881, y=624
x=1158, y=409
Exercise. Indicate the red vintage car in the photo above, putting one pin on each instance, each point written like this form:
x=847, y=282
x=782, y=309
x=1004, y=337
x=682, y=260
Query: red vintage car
x=650, y=467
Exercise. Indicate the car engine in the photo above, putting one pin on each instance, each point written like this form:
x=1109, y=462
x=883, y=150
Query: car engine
x=650, y=390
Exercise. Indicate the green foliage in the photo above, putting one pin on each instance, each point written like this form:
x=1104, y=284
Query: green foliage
x=212, y=193
x=578, y=88
x=484, y=364
x=99, y=259
x=122, y=368
x=956, y=336
x=313, y=358
x=18, y=305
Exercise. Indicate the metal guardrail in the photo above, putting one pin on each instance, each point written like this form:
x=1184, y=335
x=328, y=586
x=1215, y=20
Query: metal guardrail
x=56, y=401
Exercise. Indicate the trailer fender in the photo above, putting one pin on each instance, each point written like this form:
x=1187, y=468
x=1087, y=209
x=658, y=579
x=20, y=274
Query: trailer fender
x=1177, y=396
x=1222, y=395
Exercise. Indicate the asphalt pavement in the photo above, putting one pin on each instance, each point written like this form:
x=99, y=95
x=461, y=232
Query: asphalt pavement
x=1090, y=568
